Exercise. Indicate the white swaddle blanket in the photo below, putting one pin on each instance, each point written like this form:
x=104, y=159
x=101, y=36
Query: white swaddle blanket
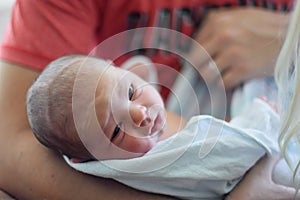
x=205, y=160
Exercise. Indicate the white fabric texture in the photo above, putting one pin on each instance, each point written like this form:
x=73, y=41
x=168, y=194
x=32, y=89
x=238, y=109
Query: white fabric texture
x=243, y=96
x=205, y=160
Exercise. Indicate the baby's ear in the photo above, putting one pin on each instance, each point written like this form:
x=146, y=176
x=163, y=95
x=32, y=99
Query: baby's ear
x=141, y=66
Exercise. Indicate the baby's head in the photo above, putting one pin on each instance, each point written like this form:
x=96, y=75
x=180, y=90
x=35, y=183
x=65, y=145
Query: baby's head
x=130, y=112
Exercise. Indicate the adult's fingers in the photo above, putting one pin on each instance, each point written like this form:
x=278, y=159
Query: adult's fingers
x=201, y=53
x=230, y=78
x=277, y=192
x=285, y=193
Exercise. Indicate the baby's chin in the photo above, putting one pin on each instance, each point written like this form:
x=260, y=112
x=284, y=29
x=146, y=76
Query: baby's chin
x=151, y=142
x=148, y=143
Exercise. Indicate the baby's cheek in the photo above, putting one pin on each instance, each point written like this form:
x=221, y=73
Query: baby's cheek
x=139, y=145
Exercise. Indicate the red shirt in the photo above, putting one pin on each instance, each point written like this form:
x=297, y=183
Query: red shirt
x=43, y=30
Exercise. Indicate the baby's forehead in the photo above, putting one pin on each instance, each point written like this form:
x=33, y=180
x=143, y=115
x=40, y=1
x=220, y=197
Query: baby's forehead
x=95, y=63
x=90, y=68
x=107, y=74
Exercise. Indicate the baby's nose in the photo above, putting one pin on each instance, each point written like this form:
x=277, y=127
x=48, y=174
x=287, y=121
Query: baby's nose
x=139, y=115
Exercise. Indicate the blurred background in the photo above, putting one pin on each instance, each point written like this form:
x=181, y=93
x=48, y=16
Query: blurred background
x=5, y=11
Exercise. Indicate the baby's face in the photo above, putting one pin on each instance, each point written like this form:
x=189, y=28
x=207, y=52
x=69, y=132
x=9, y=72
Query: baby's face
x=130, y=111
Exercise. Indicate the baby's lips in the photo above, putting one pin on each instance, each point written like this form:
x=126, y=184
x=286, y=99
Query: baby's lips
x=156, y=112
x=158, y=123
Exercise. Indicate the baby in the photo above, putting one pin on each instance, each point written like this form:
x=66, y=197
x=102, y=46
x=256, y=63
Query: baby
x=130, y=111
x=89, y=110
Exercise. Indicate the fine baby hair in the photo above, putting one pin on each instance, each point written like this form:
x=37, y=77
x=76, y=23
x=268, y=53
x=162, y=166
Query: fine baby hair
x=49, y=106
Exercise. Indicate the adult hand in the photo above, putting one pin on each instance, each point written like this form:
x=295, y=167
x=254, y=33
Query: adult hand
x=243, y=42
x=258, y=184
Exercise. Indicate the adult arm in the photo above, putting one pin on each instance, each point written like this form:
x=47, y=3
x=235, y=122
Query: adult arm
x=243, y=42
x=30, y=171
x=5, y=196
x=258, y=184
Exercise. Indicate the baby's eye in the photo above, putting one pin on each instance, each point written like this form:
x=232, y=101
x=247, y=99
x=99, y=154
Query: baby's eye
x=116, y=132
x=130, y=92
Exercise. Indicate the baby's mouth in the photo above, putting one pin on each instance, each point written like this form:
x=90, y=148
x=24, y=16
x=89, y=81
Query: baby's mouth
x=158, y=124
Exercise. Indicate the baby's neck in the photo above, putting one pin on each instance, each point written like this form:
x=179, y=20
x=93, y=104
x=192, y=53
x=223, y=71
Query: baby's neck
x=174, y=124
